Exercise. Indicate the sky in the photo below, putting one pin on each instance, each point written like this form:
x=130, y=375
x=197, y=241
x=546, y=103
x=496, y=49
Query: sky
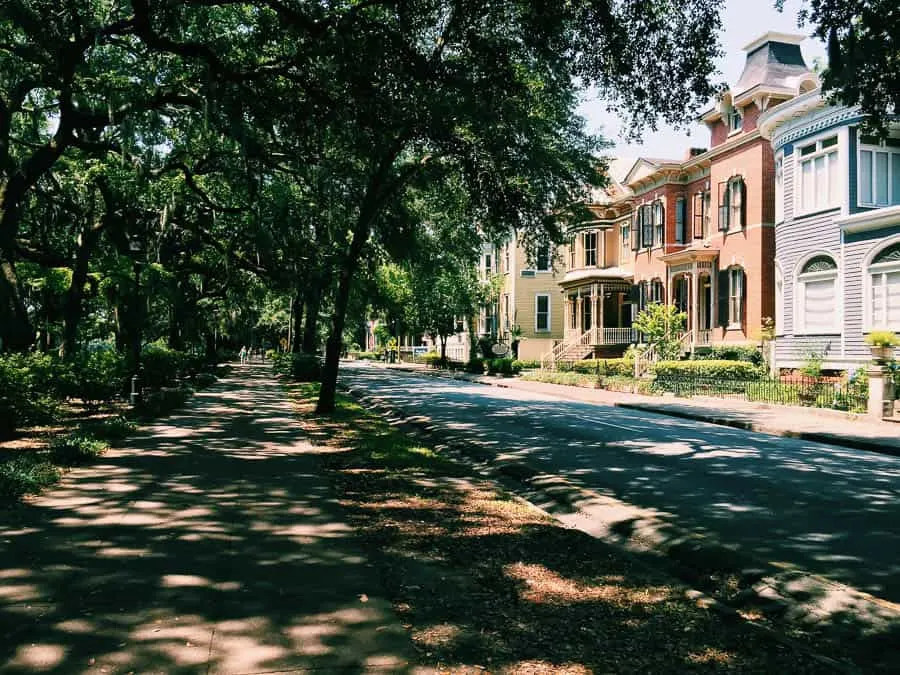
x=743, y=21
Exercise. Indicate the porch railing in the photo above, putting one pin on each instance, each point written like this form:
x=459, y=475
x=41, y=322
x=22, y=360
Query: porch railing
x=586, y=339
x=704, y=338
x=602, y=336
x=644, y=361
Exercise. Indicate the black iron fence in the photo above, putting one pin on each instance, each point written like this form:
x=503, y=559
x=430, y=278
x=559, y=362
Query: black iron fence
x=835, y=393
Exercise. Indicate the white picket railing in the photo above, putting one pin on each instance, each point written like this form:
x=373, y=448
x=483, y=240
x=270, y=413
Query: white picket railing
x=644, y=361
x=548, y=360
x=618, y=336
x=704, y=338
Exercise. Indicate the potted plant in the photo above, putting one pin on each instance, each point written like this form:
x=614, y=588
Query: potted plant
x=882, y=343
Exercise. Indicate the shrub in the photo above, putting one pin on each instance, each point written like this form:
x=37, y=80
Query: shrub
x=98, y=376
x=624, y=367
x=300, y=367
x=571, y=379
x=369, y=356
x=110, y=428
x=31, y=387
x=520, y=365
x=719, y=370
x=476, y=366
x=432, y=359
x=24, y=475
x=748, y=353
x=161, y=365
x=76, y=449
x=499, y=366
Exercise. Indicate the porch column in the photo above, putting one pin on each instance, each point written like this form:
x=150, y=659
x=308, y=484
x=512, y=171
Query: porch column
x=695, y=306
x=579, y=323
x=599, y=321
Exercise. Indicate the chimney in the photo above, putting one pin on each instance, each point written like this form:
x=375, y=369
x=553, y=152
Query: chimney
x=693, y=152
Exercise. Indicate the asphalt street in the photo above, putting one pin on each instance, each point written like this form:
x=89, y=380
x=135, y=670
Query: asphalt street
x=829, y=510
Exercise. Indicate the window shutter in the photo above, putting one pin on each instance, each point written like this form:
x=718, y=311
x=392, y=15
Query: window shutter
x=723, y=207
x=743, y=300
x=723, y=290
x=680, y=205
x=647, y=227
x=636, y=231
x=743, y=196
x=634, y=299
x=698, y=215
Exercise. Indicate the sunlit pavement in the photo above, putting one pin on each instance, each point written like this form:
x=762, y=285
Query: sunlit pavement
x=210, y=544
x=826, y=509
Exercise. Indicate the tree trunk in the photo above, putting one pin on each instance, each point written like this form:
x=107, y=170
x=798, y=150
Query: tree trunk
x=473, y=343
x=297, y=341
x=443, y=339
x=16, y=331
x=313, y=302
x=75, y=294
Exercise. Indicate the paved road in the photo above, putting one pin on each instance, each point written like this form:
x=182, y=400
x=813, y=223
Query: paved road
x=829, y=510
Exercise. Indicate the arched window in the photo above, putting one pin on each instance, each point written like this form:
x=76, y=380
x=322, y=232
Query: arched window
x=884, y=289
x=657, y=292
x=817, y=300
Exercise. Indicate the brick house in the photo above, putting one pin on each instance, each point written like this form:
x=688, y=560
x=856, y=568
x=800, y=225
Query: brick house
x=697, y=233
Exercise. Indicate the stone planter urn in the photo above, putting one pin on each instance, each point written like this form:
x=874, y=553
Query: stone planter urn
x=881, y=354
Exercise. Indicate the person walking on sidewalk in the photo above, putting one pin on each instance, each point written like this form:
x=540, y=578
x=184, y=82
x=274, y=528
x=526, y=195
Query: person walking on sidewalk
x=243, y=354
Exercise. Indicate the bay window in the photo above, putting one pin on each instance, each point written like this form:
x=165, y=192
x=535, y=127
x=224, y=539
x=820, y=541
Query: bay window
x=817, y=298
x=590, y=249
x=819, y=176
x=879, y=172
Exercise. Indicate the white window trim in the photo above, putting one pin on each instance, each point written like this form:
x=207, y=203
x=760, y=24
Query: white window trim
x=654, y=206
x=860, y=147
x=734, y=112
x=739, y=324
x=868, y=320
x=549, y=327
x=779, y=187
x=801, y=278
x=779, y=301
x=584, y=248
x=799, y=208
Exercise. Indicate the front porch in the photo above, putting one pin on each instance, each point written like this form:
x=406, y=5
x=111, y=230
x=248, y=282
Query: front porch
x=693, y=282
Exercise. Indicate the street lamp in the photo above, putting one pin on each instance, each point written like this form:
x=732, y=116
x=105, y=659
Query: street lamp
x=136, y=247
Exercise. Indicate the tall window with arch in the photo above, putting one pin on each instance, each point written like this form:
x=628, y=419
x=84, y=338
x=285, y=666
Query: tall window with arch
x=816, y=297
x=883, y=286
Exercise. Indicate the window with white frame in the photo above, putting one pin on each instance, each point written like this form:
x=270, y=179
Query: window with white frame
x=779, y=190
x=735, y=120
x=506, y=311
x=736, y=281
x=779, y=301
x=817, y=298
x=487, y=266
x=645, y=216
x=625, y=231
x=572, y=254
x=506, y=257
x=542, y=259
x=657, y=292
x=884, y=290
x=879, y=171
x=542, y=312
x=819, y=176
x=659, y=223
x=732, y=197
x=590, y=249
x=700, y=212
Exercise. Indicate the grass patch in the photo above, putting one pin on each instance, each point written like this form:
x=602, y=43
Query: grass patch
x=76, y=449
x=484, y=582
x=28, y=474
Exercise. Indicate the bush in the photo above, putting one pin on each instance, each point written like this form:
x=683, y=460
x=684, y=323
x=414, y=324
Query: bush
x=569, y=378
x=369, y=356
x=163, y=400
x=748, y=353
x=24, y=475
x=161, y=365
x=719, y=370
x=31, y=387
x=520, y=365
x=300, y=367
x=624, y=367
x=110, y=428
x=499, y=366
x=476, y=366
x=432, y=359
x=76, y=449
x=98, y=377
x=882, y=338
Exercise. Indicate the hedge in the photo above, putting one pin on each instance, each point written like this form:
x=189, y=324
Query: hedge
x=300, y=367
x=519, y=365
x=749, y=353
x=622, y=367
x=720, y=370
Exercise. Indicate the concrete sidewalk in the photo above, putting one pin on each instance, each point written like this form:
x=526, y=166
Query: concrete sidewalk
x=212, y=543
x=823, y=426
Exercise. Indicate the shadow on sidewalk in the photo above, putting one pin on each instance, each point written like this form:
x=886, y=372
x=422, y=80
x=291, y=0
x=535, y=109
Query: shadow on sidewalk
x=211, y=544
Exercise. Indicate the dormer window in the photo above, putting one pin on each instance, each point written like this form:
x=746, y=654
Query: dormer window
x=735, y=120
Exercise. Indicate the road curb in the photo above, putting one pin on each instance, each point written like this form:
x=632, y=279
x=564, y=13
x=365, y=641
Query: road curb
x=811, y=436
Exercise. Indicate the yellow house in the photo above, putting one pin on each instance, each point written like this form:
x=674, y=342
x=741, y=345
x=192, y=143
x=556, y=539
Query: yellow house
x=530, y=302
